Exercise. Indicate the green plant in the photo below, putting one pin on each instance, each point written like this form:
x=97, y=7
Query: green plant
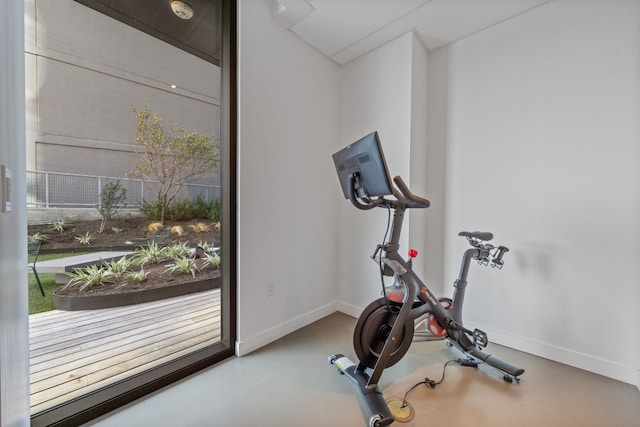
x=118, y=266
x=117, y=230
x=111, y=197
x=135, y=277
x=89, y=277
x=60, y=225
x=180, y=210
x=184, y=265
x=183, y=209
x=171, y=157
x=211, y=261
x=37, y=236
x=177, y=251
x=85, y=239
x=151, y=254
x=200, y=207
x=151, y=210
x=213, y=212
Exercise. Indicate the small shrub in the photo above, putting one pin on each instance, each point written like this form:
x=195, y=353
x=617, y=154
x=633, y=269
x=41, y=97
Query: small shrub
x=214, y=210
x=89, y=277
x=111, y=197
x=183, y=209
x=60, y=225
x=200, y=227
x=134, y=277
x=118, y=266
x=152, y=254
x=177, y=251
x=200, y=207
x=184, y=265
x=176, y=229
x=211, y=261
x=37, y=236
x=151, y=210
x=180, y=210
x=86, y=239
x=154, y=227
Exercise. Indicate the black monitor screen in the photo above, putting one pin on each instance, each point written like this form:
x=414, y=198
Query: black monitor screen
x=365, y=157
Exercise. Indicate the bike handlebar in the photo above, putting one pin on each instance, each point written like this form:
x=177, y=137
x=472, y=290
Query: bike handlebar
x=403, y=196
x=414, y=201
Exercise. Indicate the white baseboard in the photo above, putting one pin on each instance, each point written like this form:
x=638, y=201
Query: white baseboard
x=608, y=368
x=349, y=309
x=254, y=342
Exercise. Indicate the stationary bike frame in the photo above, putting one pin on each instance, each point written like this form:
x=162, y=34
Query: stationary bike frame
x=418, y=301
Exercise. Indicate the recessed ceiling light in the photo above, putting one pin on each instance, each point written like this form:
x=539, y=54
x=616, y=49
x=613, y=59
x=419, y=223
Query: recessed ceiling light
x=181, y=9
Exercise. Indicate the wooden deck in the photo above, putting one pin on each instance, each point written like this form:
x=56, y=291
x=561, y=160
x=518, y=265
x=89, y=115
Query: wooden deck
x=75, y=352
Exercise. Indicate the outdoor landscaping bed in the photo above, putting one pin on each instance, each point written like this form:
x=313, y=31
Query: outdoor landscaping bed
x=160, y=281
x=108, y=297
x=128, y=229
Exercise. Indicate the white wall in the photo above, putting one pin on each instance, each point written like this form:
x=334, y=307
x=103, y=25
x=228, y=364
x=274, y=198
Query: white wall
x=543, y=149
x=14, y=337
x=289, y=113
x=385, y=90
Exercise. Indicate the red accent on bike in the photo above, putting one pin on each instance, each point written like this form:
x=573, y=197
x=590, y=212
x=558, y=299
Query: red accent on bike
x=395, y=297
x=413, y=253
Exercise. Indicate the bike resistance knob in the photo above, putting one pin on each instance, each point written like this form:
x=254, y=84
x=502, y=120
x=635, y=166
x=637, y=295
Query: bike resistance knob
x=413, y=253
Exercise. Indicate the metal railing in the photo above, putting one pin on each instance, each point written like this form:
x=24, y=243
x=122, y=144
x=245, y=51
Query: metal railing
x=65, y=190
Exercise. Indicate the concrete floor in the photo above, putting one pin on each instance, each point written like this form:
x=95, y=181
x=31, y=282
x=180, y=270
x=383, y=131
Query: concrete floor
x=290, y=383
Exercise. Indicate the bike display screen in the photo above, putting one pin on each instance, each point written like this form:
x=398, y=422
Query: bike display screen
x=366, y=158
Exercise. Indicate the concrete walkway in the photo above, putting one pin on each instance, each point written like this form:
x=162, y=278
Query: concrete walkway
x=61, y=266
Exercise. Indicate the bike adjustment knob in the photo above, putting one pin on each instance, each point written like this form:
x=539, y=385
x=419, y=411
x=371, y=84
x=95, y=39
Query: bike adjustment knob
x=413, y=253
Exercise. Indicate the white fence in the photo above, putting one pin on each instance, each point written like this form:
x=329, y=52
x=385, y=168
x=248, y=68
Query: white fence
x=63, y=190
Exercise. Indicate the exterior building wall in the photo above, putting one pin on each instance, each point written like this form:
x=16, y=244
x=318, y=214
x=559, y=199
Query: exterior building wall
x=85, y=70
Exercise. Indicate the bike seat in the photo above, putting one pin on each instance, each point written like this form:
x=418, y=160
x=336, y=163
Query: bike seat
x=480, y=235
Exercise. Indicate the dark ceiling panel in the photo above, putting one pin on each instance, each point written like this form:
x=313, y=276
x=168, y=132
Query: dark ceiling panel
x=200, y=35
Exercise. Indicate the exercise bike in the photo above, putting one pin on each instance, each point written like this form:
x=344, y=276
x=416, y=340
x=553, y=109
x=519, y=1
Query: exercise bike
x=408, y=311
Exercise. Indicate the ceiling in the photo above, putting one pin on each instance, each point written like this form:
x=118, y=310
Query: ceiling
x=201, y=35
x=341, y=29
x=346, y=29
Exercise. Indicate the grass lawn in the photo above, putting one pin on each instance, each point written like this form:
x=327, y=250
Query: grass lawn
x=38, y=303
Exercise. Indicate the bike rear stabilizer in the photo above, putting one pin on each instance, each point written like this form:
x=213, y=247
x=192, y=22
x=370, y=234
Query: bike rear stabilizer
x=372, y=404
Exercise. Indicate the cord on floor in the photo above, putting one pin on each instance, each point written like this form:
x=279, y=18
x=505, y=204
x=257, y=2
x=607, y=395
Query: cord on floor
x=432, y=384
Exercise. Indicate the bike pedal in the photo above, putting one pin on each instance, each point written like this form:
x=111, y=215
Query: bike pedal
x=480, y=338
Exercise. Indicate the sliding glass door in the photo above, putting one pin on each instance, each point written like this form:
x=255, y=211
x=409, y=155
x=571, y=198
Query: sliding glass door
x=110, y=84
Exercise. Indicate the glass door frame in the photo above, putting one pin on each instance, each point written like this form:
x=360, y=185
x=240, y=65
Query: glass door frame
x=93, y=405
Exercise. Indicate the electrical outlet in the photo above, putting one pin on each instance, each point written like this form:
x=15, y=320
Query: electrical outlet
x=271, y=289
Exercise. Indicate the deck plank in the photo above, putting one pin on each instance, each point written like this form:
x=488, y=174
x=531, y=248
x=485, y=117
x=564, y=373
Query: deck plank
x=77, y=333
x=74, y=353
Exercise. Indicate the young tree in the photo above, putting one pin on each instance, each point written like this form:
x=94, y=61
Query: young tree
x=172, y=157
x=111, y=196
